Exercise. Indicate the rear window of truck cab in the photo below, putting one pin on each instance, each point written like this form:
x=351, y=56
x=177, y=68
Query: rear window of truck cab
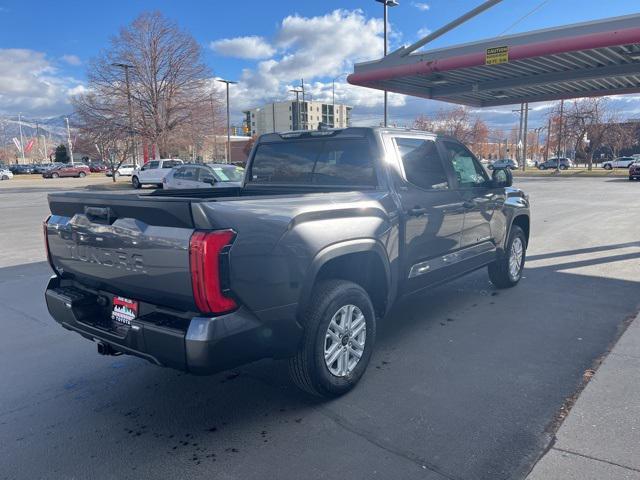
x=327, y=161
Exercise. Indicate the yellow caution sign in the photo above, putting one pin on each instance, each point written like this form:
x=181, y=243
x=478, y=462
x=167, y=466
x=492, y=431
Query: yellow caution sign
x=497, y=55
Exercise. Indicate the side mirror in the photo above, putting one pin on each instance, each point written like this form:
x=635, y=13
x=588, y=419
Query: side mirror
x=502, y=177
x=209, y=180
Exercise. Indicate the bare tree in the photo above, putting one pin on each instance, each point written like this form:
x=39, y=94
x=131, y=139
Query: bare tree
x=425, y=124
x=621, y=136
x=168, y=81
x=588, y=123
x=98, y=126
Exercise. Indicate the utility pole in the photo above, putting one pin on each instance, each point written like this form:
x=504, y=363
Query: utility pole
x=560, y=135
x=128, y=86
x=386, y=4
x=66, y=119
x=21, y=139
x=227, y=83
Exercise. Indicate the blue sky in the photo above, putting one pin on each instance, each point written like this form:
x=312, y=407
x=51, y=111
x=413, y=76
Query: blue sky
x=44, y=48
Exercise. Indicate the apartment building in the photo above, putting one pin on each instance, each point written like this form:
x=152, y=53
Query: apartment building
x=293, y=115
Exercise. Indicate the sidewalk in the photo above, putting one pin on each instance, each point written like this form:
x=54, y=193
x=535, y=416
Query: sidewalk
x=600, y=439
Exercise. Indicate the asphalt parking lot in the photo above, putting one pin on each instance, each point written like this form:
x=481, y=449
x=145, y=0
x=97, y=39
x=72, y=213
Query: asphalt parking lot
x=466, y=381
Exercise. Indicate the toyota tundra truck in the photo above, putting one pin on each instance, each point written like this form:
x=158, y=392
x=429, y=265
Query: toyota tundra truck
x=328, y=229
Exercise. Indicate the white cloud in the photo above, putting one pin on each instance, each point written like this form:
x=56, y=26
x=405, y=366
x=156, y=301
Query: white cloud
x=30, y=83
x=317, y=49
x=421, y=6
x=252, y=47
x=327, y=45
x=71, y=59
x=423, y=32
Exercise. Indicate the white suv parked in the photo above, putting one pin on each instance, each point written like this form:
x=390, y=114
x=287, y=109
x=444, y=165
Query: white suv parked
x=124, y=170
x=620, y=162
x=153, y=172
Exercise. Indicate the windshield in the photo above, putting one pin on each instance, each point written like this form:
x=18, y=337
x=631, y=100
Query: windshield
x=227, y=173
x=331, y=161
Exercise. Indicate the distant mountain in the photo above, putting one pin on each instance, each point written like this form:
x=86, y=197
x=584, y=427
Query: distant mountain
x=54, y=128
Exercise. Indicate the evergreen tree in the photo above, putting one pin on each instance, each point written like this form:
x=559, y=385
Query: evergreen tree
x=61, y=154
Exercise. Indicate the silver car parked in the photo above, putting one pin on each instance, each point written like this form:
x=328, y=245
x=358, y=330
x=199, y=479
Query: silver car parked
x=209, y=175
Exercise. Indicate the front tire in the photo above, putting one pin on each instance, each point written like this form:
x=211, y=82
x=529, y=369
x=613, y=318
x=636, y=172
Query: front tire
x=607, y=166
x=82, y=175
x=541, y=167
x=136, y=183
x=339, y=335
x=506, y=271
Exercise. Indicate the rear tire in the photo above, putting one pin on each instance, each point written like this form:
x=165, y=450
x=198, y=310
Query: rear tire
x=136, y=183
x=4, y=177
x=607, y=167
x=54, y=175
x=563, y=167
x=506, y=271
x=335, y=307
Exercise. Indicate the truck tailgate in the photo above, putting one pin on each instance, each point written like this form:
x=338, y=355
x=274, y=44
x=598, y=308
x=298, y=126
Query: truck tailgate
x=130, y=245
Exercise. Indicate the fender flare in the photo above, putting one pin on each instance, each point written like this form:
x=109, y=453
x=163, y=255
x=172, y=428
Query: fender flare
x=336, y=250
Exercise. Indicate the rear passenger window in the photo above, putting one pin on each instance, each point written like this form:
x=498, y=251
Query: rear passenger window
x=334, y=161
x=422, y=164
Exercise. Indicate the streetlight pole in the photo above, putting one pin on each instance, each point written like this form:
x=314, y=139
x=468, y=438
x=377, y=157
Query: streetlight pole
x=526, y=132
x=21, y=140
x=560, y=135
x=227, y=83
x=213, y=126
x=126, y=68
x=66, y=119
x=297, y=92
x=333, y=95
x=386, y=4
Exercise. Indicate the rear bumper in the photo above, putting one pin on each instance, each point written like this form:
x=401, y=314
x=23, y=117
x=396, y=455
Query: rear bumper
x=199, y=345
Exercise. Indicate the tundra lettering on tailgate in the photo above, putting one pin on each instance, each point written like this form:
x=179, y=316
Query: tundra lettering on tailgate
x=108, y=258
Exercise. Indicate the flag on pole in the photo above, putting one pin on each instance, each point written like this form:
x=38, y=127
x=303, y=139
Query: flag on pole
x=29, y=146
x=17, y=144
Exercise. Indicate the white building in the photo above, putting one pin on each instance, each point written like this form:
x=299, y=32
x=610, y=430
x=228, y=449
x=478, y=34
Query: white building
x=292, y=115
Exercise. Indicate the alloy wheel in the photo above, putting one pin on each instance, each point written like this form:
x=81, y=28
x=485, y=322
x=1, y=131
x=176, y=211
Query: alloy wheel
x=345, y=340
x=515, y=258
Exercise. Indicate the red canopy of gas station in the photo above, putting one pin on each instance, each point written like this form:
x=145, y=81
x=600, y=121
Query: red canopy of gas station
x=586, y=59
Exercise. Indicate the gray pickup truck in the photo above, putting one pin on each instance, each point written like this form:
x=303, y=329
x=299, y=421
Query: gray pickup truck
x=328, y=229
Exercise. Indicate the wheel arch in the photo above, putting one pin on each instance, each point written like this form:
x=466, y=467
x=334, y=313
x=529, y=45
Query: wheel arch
x=362, y=261
x=523, y=221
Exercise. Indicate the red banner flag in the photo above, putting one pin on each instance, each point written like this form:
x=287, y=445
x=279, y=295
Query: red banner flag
x=29, y=146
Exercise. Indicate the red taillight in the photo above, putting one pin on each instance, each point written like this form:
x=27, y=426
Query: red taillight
x=205, y=258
